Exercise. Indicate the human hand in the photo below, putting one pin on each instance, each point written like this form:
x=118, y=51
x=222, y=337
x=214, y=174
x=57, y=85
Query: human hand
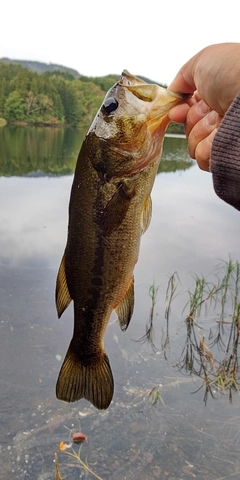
x=214, y=75
x=201, y=123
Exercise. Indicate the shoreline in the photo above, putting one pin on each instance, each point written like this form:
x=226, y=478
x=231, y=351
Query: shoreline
x=66, y=125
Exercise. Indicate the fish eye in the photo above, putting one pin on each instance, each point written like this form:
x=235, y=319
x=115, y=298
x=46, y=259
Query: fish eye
x=110, y=105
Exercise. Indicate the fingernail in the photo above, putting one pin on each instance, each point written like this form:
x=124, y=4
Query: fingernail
x=203, y=107
x=212, y=118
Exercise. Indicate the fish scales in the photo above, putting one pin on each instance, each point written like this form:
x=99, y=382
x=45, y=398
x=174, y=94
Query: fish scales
x=109, y=210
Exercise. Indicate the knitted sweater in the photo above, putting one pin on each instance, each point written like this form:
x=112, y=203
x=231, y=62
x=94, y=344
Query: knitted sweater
x=225, y=156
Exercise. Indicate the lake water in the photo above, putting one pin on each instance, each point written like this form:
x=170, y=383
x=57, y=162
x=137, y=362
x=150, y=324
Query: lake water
x=175, y=414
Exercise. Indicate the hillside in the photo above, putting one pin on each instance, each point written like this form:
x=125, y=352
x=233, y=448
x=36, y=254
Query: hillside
x=41, y=67
x=33, y=93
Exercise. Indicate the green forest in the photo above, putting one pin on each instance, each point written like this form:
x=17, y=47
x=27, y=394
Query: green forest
x=52, y=97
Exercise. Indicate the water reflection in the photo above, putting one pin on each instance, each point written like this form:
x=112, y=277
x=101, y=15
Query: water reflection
x=39, y=151
x=190, y=232
x=175, y=156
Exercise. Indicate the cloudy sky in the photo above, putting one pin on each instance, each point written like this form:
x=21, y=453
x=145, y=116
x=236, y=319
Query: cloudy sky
x=152, y=38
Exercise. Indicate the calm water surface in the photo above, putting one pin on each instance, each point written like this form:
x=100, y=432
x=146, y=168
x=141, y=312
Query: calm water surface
x=181, y=436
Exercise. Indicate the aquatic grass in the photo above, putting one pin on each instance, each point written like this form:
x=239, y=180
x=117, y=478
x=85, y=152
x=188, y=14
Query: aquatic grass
x=171, y=292
x=64, y=447
x=235, y=324
x=207, y=383
x=237, y=285
x=197, y=356
x=75, y=455
x=215, y=296
x=196, y=298
x=221, y=382
x=203, y=293
x=57, y=470
x=170, y=296
x=229, y=289
x=229, y=268
x=149, y=335
x=155, y=396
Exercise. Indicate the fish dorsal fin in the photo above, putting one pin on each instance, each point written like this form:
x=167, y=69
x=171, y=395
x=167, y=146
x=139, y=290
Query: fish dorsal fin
x=62, y=294
x=146, y=214
x=124, y=309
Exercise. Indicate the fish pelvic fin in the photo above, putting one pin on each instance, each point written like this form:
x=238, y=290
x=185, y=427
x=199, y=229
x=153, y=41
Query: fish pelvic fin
x=62, y=294
x=146, y=214
x=91, y=380
x=124, y=309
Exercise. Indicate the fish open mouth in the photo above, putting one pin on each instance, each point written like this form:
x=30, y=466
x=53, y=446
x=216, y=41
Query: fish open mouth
x=158, y=100
x=155, y=103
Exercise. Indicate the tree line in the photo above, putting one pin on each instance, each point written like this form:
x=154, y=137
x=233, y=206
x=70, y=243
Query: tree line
x=52, y=97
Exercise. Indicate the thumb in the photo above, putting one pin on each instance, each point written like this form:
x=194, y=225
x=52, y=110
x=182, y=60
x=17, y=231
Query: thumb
x=183, y=82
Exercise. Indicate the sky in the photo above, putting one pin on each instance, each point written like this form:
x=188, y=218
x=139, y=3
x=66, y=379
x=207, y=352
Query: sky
x=152, y=38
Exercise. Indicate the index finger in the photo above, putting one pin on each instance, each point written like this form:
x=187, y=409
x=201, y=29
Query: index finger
x=178, y=114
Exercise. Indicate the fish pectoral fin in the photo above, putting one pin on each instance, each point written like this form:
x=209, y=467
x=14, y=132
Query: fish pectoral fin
x=125, y=308
x=78, y=380
x=146, y=214
x=116, y=209
x=62, y=294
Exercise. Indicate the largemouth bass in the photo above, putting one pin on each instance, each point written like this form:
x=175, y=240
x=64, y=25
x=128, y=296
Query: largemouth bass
x=110, y=208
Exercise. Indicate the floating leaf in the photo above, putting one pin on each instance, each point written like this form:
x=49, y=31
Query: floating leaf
x=62, y=446
x=79, y=437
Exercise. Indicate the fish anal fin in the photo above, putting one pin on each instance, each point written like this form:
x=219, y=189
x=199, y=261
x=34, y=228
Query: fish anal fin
x=82, y=379
x=125, y=308
x=62, y=294
x=146, y=214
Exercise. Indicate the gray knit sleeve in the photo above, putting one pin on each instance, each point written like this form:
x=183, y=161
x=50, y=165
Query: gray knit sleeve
x=225, y=156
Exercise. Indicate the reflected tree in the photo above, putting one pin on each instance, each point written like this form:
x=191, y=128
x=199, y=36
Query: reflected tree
x=54, y=150
x=175, y=155
x=39, y=150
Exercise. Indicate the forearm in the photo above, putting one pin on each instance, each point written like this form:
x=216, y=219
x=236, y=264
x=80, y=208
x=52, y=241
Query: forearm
x=225, y=156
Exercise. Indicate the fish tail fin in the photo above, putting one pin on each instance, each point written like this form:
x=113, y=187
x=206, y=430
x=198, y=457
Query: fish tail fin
x=82, y=379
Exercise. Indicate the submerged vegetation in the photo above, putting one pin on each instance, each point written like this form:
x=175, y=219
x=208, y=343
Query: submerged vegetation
x=212, y=322
x=76, y=461
x=210, y=349
x=73, y=454
x=149, y=335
